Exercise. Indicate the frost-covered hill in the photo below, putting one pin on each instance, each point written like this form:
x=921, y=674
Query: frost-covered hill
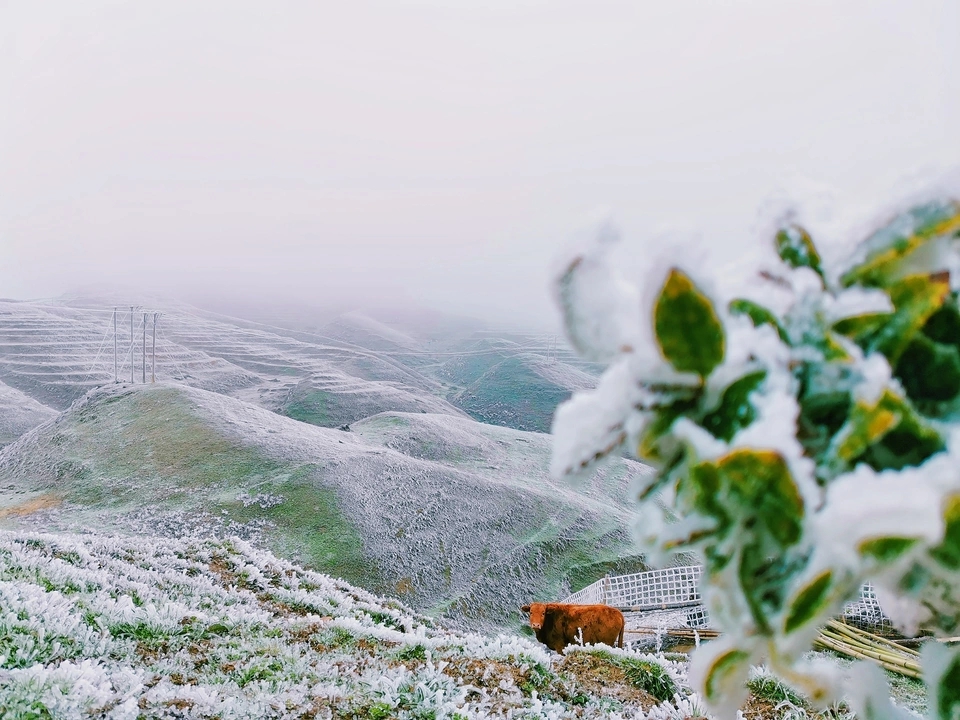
x=122, y=628
x=457, y=518
x=353, y=367
x=19, y=413
x=521, y=390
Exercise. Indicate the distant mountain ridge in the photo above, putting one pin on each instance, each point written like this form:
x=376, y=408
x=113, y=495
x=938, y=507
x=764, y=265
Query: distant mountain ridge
x=379, y=473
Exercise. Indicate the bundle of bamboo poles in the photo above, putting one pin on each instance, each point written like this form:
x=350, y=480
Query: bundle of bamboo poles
x=837, y=636
x=856, y=643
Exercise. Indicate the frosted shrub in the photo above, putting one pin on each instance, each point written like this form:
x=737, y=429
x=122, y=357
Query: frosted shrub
x=806, y=440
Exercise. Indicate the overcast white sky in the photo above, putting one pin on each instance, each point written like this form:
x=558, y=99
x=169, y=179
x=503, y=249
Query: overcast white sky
x=439, y=151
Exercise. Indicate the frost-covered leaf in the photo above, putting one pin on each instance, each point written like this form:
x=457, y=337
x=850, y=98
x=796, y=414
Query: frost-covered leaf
x=887, y=433
x=886, y=549
x=941, y=667
x=809, y=602
x=689, y=333
x=758, y=314
x=867, y=424
x=888, y=248
x=947, y=553
x=929, y=371
x=859, y=328
x=915, y=299
x=796, y=248
x=601, y=311
x=725, y=671
x=719, y=671
x=760, y=482
x=592, y=424
x=661, y=420
x=753, y=487
x=734, y=411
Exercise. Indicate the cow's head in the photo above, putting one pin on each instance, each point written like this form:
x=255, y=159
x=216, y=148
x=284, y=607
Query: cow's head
x=537, y=612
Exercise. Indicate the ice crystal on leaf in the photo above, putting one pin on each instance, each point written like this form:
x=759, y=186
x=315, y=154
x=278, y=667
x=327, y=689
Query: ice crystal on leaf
x=799, y=451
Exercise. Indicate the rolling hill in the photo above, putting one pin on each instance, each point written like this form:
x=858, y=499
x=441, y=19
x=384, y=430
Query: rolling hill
x=457, y=518
x=519, y=391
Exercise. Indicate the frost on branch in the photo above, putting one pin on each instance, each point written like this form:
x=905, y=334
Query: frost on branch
x=799, y=452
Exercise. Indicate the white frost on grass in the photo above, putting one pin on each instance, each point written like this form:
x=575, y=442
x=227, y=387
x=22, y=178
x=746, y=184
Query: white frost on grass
x=128, y=628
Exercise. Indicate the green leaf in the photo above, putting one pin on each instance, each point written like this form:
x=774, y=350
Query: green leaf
x=725, y=672
x=885, y=549
x=860, y=328
x=944, y=325
x=929, y=370
x=689, y=333
x=758, y=314
x=809, y=602
x=866, y=425
x=888, y=434
x=947, y=553
x=947, y=691
x=734, y=411
x=886, y=249
x=649, y=446
x=915, y=299
x=704, y=490
x=796, y=249
x=753, y=487
x=759, y=482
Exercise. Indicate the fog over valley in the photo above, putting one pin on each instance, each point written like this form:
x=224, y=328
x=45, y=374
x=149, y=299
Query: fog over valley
x=438, y=154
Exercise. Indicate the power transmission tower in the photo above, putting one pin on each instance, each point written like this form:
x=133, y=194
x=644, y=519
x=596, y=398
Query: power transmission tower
x=143, y=355
x=153, y=368
x=116, y=367
x=131, y=344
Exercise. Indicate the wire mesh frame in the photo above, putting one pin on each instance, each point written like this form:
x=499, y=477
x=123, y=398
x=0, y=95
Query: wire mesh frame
x=677, y=587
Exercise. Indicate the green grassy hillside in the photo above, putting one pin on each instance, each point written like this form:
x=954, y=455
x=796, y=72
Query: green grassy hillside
x=455, y=517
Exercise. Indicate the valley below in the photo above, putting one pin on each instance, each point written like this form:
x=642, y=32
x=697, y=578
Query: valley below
x=408, y=458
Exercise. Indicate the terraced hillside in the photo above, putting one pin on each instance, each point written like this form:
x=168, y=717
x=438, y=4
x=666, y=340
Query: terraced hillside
x=55, y=353
x=354, y=367
x=519, y=390
x=19, y=413
x=457, y=518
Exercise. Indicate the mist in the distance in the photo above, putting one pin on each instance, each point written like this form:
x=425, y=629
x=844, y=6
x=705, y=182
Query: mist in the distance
x=433, y=153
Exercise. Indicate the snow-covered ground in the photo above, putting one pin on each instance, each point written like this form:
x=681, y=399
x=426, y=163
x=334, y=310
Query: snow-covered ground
x=117, y=628
x=19, y=413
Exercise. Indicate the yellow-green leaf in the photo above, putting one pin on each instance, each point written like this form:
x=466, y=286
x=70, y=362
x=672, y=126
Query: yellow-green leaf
x=725, y=672
x=860, y=327
x=760, y=482
x=885, y=250
x=885, y=549
x=866, y=425
x=758, y=314
x=796, y=248
x=915, y=298
x=689, y=333
x=947, y=553
x=809, y=602
x=885, y=434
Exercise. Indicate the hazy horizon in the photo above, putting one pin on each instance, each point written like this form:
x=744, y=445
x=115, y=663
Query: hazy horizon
x=436, y=154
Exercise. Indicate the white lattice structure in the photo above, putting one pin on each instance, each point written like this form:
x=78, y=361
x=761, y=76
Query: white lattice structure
x=670, y=598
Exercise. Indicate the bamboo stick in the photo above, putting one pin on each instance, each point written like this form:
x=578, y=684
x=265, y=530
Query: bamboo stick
x=854, y=631
x=910, y=670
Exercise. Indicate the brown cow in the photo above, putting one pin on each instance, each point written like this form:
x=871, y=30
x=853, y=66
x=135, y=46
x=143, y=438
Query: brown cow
x=558, y=624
